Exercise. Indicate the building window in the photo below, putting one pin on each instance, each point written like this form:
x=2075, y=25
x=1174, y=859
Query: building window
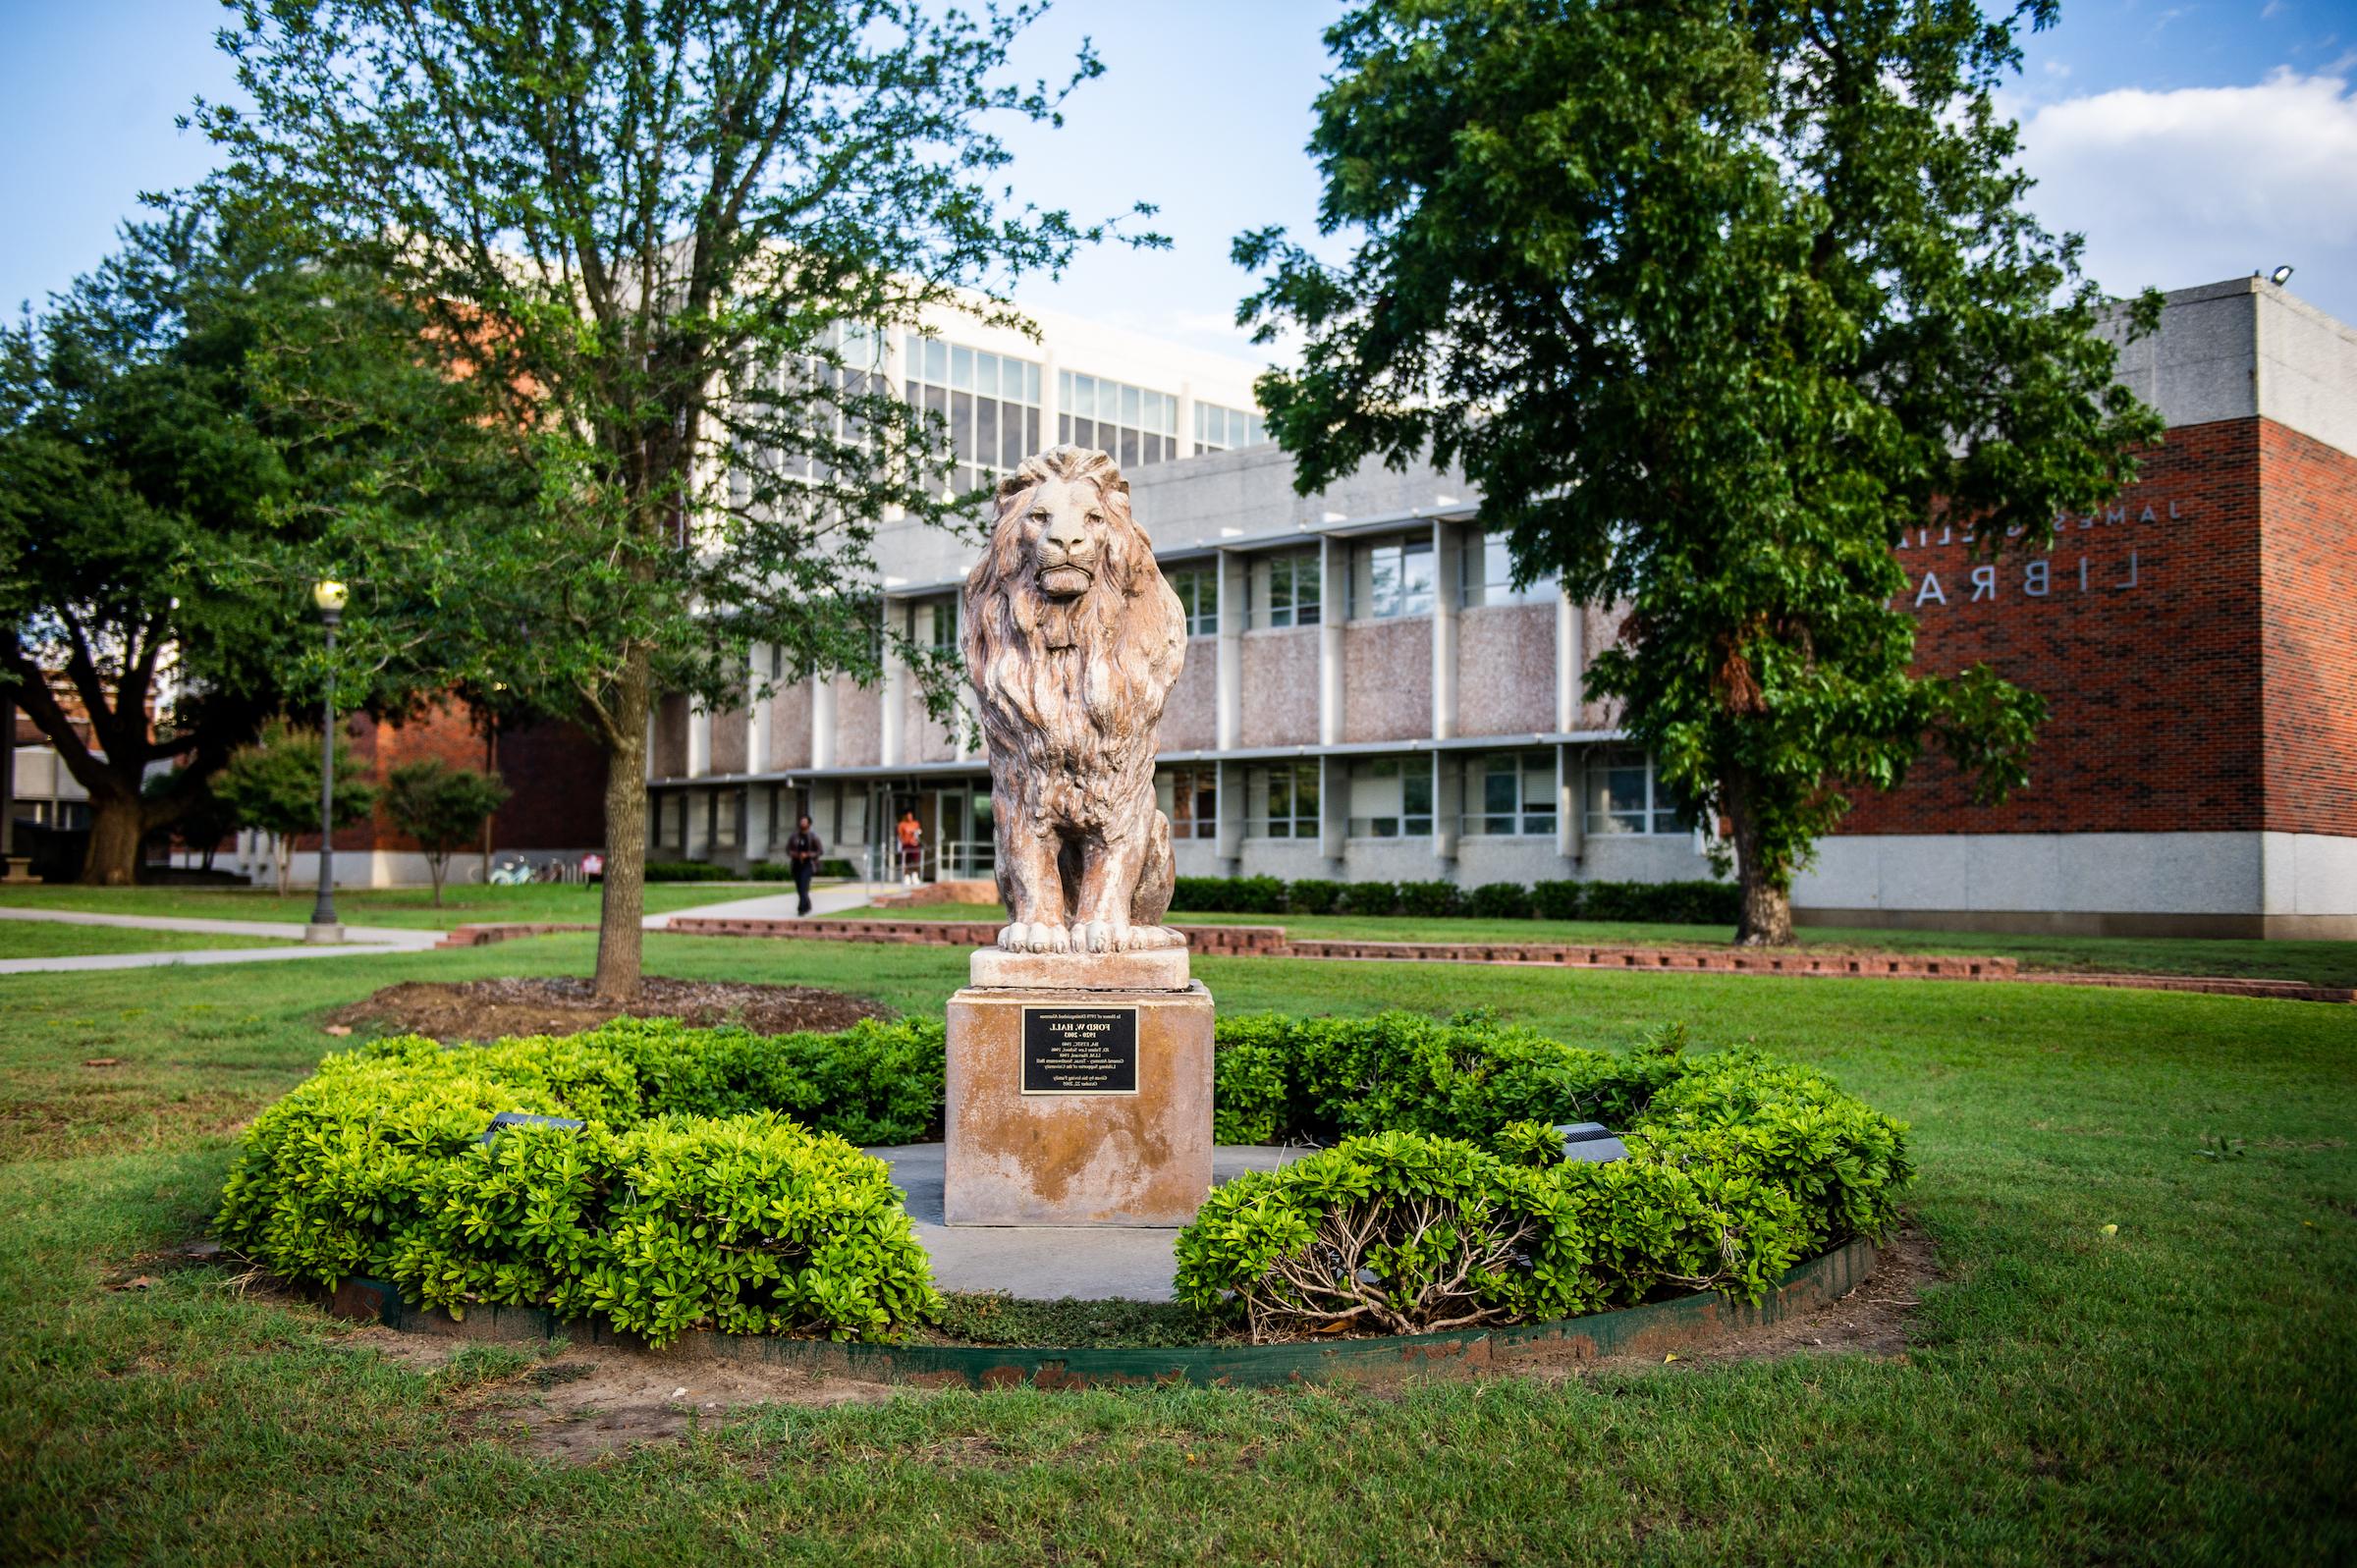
x=1134, y=426
x=1486, y=575
x=1285, y=589
x=726, y=807
x=1197, y=586
x=1391, y=577
x=1625, y=795
x=1391, y=797
x=1190, y=799
x=1509, y=792
x=1282, y=800
x=1219, y=429
x=990, y=403
x=933, y=622
x=849, y=365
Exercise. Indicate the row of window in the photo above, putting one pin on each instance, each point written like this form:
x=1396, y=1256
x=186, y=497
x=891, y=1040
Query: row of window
x=989, y=401
x=1501, y=795
x=1390, y=577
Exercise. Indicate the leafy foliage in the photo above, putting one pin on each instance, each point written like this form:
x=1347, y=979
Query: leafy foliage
x=161, y=503
x=662, y=244
x=688, y=1200
x=1463, y=1211
x=272, y=784
x=1711, y=302
x=443, y=808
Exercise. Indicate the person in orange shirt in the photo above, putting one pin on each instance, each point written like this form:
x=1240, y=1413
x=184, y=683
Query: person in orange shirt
x=912, y=857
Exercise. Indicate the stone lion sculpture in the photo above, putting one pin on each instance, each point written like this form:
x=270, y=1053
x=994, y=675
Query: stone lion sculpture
x=1073, y=641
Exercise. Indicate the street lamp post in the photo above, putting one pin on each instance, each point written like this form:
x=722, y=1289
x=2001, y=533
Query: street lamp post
x=329, y=596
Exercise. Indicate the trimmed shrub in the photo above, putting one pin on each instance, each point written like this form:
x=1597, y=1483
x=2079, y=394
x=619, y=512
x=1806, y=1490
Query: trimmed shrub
x=1370, y=897
x=1313, y=896
x=1556, y=901
x=1448, y=1201
x=687, y=1199
x=1681, y=903
x=1498, y=900
x=685, y=871
x=1240, y=896
x=836, y=868
x=1428, y=901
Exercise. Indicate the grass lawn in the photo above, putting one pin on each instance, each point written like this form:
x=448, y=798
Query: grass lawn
x=2180, y=1390
x=43, y=939
x=2316, y=963
x=552, y=902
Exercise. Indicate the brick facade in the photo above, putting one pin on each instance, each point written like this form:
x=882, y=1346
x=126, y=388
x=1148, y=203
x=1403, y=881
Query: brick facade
x=2194, y=642
x=555, y=778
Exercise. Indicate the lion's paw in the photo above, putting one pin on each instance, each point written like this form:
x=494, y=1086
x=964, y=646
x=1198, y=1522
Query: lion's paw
x=1011, y=940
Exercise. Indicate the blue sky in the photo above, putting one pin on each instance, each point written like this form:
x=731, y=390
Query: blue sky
x=2188, y=142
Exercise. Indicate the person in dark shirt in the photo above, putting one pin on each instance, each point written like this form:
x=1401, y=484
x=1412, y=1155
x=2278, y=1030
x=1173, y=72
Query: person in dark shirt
x=801, y=853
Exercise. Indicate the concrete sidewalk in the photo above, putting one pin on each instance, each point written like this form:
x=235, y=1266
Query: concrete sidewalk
x=1046, y=1262
x=779, y=905
x=358, y=939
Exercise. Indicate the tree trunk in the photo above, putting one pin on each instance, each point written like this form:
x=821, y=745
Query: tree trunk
x=282, y=856
x=1766, y=920
x=619, y=939
x=435, y=867
x=118, y=823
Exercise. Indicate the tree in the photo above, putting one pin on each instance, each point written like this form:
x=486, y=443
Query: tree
x=205, y=818
x=161, y=502
x=443, y=808
x=660, y=239
x=272, y=784
x=1712, y=302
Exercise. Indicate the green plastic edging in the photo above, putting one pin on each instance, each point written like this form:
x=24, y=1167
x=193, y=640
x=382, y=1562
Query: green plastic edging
x=1657, y=1327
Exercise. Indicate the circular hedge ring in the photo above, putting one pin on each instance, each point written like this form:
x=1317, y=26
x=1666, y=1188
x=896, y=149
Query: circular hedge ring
x=649, y=1180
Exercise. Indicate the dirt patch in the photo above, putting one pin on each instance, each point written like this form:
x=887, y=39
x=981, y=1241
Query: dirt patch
x=490, y=1009
x=580, y=1403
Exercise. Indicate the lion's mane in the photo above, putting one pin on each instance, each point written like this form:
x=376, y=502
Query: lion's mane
x=1085, y=717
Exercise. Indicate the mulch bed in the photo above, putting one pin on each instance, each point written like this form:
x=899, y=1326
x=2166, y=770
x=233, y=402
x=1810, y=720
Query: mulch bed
x=489, y=1009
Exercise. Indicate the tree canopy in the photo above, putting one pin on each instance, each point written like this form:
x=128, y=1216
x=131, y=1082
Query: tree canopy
x=1713, y=300
x=162, y=502
x=662, y=241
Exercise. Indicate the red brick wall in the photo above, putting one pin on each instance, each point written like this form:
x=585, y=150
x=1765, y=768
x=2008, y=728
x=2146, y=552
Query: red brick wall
x=2309, y=520
x=555, y=773
x=2157, y=718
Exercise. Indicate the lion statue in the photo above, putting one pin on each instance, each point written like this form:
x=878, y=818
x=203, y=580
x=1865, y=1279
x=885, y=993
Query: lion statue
x=1073, y=641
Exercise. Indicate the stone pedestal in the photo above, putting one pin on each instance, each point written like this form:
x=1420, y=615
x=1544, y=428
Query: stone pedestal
x=1086, y=1103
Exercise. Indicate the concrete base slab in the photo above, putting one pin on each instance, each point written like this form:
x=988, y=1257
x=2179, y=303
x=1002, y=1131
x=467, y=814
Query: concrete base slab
x=1048, y=1263
x=1078, y=1108
x=1162, y=969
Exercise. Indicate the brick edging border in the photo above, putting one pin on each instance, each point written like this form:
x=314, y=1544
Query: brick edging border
x=1270, y=941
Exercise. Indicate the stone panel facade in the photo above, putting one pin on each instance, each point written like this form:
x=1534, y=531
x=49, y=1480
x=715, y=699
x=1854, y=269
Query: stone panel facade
x=859, y=726
x=1387, y=679
x=1190, y=719
x=1280, y=688
x=789, y=728
x=1499, y=652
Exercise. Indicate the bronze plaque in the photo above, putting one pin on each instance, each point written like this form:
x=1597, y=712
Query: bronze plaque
x=1079, y=1051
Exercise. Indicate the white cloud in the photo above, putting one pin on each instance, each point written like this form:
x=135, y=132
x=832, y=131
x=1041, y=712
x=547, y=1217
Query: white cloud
x=2201, y=184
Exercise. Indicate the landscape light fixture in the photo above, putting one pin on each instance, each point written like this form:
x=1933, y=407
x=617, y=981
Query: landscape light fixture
x=329, y=595
x=2280, y=277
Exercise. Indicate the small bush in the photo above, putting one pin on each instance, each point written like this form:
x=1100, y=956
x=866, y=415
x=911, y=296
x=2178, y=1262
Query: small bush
x=836, y=868
x=687, y=1200
x=1370, y=897
x=1558, y=900
x=1313, y=896
x=1681, y=903
x=769, y=871
x=1498, y=900
x=685, y=871
x=1428, y=901
x=1460, y=1210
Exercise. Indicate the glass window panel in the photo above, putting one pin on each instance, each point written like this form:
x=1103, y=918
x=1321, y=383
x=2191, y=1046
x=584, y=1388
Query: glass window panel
x=1064, y=433
x=1064, y=391
x=1129, y=457
x=1030, y=383
x=1031, y=430
x=937, y=360
x=986, y=373
x=962, y=368
x=1084, y=396
x=1011, y=439
x=1128, y=414
x=962, y=423
x=986, y=429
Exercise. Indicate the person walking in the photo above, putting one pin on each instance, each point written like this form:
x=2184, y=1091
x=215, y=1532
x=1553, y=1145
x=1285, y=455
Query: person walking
x=802, y=851
x=912, y=854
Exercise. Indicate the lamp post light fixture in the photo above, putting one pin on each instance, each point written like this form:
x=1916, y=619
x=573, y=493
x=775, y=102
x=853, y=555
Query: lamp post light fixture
x=2280, y=277
x=329, y=595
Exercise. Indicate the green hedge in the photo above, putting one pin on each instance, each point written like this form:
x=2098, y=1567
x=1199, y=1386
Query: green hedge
x=1447, y=1203
x=686, y=871
x=688, y=1200
x=1687, y=904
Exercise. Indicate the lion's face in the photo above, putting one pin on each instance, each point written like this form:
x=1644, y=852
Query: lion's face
x=1064, y=536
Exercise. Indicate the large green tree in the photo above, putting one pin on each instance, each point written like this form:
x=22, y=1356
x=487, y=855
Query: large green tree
x=661, y=238
x=161, y=504
x=1713, y=300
